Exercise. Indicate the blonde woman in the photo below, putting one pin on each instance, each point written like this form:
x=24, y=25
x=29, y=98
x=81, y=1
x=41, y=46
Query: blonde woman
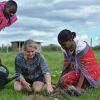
x=32, y=69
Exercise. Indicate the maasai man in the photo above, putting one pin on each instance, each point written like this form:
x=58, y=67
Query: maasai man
x=7, y=13
x=81, y=68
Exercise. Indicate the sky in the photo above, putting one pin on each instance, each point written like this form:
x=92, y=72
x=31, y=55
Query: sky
x=42, y=20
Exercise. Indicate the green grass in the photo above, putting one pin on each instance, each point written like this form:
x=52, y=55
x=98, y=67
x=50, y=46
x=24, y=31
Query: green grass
x=55, y=62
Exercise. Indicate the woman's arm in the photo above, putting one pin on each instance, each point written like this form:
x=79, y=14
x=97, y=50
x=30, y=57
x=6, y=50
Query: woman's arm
x=80, y=82
x=48, y=82
x=18, y=73
x=46, y=72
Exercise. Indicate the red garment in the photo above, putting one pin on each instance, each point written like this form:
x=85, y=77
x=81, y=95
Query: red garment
x=69, y=79
x=88, y=66
x=3, y=21
x=91, y=64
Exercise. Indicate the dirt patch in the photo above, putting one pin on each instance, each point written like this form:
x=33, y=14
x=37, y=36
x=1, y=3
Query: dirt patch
x=59, y=94
x=56, y=95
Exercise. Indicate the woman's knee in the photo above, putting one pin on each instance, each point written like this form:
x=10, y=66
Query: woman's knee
x=17, y=86
x=37, y=86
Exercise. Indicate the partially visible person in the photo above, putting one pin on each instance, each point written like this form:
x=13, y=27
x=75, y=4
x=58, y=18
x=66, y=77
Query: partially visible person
x=0, y=61
x=81, y=68
x=32, y=69
x=8, y=11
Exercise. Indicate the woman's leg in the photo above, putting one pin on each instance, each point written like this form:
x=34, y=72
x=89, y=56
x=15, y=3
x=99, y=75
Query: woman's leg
x=18, y=86
x=37, y=86
x=70, y=79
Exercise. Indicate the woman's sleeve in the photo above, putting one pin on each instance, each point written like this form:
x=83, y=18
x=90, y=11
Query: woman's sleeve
x=44, y=65
x=17, y=68
x=65, y=60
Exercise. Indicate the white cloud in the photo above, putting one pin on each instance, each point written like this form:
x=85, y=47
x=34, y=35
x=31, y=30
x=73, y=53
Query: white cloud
x=82, y=37
x=91, y=9
x=43, y=19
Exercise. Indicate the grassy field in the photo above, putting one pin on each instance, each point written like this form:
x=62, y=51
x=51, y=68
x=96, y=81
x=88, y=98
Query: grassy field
x=55, y=62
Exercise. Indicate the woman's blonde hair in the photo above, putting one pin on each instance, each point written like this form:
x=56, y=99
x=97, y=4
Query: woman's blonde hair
x=29, y=43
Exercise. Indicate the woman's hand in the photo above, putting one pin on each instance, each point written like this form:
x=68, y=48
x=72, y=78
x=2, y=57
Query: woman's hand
x=80, y=89
x=49, y=89
x=25, y=83
x=48, y=82
x=28, y=86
